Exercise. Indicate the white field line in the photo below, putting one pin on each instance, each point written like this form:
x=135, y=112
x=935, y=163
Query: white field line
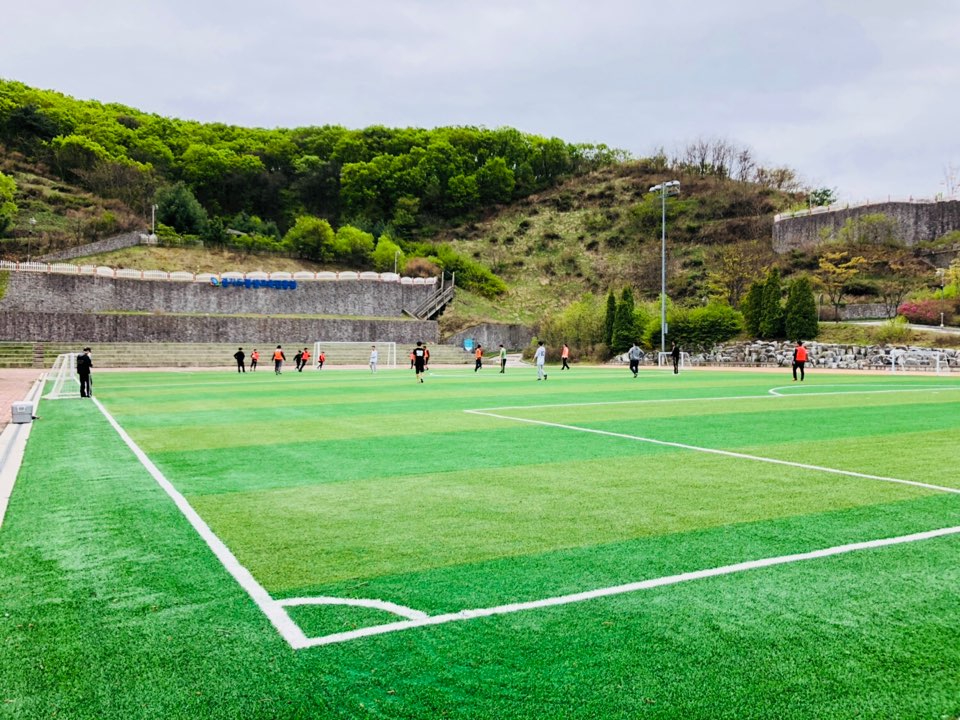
x=769, y=395
x=277, y=615
x=623, y=589
x=724, y=453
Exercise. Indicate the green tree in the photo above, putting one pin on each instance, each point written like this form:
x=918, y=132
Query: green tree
x=822, y=196
x=178, y=208
x=609, y=319
x=800, y=314
x=8, y=209
x=752, y=307
x=836, y=271
x=387, y=255
x=311, y=238
x=352, y=246
x=771, y=314
x=624, y=328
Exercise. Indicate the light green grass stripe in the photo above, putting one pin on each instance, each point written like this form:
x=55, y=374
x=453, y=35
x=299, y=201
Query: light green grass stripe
x=319, y=534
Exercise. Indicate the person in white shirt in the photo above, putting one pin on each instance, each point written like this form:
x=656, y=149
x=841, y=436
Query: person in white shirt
x=541, y=357
x=373, y=358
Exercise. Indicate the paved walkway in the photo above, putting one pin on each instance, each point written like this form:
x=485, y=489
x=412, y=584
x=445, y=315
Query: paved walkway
x=15, y=383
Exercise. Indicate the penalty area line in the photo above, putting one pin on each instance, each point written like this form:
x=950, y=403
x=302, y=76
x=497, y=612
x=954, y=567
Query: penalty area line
x=724, y=453
x=624, y=589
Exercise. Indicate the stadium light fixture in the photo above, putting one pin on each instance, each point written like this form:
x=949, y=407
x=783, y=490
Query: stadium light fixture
x=671, y=187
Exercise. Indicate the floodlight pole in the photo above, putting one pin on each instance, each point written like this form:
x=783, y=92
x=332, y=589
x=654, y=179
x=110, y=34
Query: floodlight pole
x=153, y=219
x=667, y=188
x=396, y=256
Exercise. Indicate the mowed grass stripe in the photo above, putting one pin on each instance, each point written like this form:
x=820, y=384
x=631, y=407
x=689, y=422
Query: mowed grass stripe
x=366, y=528
x=570, y=570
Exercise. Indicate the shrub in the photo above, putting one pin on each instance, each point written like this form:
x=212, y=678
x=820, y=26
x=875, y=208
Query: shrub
x=922, y=312
x=894, y=331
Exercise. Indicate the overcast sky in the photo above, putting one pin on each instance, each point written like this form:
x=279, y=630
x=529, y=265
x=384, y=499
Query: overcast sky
x=857, y=95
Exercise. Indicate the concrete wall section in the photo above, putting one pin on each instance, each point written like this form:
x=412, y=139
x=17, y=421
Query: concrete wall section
x=52, y=292
x=917, y=222
x=91, y=328
x=490, y=335
x=117, y=242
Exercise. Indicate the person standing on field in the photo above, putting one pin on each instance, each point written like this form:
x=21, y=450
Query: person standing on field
x=426, y=357
x=675, y=356
x=540, y=356
x=84, y=367
x=297, y=358
x=239, y=356
x=634, y=355
x=503, y=359
x=419, y=360
x=479, y=357
x=254, y=357
x=304, y=358
x=565, y=355
x=321, y=359
x=278, y=358
x=799, y=360
x=373, y=358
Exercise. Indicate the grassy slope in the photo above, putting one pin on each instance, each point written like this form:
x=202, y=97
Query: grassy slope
x=112, y=609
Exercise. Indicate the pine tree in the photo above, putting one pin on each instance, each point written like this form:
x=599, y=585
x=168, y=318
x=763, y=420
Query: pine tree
x=752, y=308
x=608, y=322
x=771, y=315
x=624, y=327
x=801, y=311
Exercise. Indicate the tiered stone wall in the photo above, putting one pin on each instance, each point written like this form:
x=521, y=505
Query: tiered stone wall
x=57, y=293
x=99, y=328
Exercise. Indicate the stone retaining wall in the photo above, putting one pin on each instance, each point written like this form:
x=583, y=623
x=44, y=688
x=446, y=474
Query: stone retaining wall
x=851, y=357
x=57, y=293
x=916, y=221
x=117, y=242
x=91, y=328
x=490, y=335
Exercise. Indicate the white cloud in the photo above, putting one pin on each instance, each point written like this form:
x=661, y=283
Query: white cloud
x=856, y=94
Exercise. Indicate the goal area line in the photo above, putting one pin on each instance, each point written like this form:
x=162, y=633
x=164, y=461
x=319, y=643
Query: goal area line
x=276, y=609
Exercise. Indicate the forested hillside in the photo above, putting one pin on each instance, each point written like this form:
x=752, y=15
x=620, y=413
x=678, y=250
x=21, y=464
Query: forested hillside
x=374, y=178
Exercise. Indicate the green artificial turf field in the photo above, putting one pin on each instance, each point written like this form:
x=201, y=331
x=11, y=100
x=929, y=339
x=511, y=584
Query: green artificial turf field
x=541, y=545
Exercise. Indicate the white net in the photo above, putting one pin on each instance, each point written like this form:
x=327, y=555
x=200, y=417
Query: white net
x=354, y=353
x=63, y=376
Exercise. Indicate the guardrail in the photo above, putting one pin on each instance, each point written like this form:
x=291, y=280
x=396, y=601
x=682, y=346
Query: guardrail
x=184, y=276
x=864, y=203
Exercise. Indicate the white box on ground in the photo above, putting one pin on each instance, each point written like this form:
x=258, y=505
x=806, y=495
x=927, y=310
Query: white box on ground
x=21, y=412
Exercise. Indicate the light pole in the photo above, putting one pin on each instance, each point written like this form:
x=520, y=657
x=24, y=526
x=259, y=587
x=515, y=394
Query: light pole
x=940, y=273
x=153, y=219
x=396, y=257
x=668, y=188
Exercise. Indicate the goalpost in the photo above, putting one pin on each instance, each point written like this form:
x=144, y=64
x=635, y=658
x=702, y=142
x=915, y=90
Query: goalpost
x=665, y=360
x=354, y=353
x=66, y=384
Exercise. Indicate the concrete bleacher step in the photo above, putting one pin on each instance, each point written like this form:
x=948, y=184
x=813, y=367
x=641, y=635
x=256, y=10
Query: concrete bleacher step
x=140, y=355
